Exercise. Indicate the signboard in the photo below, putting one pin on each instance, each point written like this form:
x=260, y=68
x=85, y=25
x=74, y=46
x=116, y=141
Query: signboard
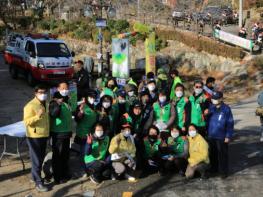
x=120, y=58
x=233, y=39
x=150, y=60
x=101, y=22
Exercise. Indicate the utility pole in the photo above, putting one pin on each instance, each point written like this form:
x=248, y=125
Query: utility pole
x=240, y=22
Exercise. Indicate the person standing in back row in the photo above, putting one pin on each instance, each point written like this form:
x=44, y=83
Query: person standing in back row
x=199, y=108
x=220, y=131
x=36, y=120
x=82, y=79
x=61, y=132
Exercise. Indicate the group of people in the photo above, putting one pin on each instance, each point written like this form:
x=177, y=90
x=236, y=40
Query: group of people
x=133, y=130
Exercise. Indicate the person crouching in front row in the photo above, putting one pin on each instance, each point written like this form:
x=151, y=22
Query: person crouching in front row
x=95, y=154
x=122, y=149
x=198, y=160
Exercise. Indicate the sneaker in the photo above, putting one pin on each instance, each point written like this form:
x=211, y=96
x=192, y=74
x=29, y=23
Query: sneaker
x=261, y=139
x=94, y=180
x=41, y=188
x=129, y=178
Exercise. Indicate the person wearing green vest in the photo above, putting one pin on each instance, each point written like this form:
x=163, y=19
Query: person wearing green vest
x=163, y=114
x=178, y=146
x=199, y=108
x=152, y=154
x=131, y=91
x=175, y=79
x=111, y=88
x=86, y=117
x=182, y=109
x=96, y=150
x=61, y=131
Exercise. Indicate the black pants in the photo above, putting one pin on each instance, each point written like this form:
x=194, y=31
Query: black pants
x=218, y=154
x=98, y=169
x=179, y=164
x=37, y=151
x=60, y=158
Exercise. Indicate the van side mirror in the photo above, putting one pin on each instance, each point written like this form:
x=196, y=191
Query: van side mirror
x=73, y=54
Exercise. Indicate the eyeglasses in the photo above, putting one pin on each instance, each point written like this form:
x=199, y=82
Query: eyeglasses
x=198, y=86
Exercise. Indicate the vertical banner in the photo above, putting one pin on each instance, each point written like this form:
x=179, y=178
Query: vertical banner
x=150, y=61
x=120, y=58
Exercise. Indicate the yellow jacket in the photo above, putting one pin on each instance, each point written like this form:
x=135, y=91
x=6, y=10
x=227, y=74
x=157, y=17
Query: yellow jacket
x=124, y=146
x=198, y=150
x=36, y=127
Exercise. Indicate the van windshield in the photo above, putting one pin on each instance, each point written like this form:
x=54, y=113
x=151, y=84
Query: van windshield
x=52, y=50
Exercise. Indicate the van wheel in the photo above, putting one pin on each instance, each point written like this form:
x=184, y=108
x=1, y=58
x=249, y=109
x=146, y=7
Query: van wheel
x=13, y=71
x=30, y=79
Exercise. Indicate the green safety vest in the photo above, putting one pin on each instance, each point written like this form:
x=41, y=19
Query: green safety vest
x=196, y=111
x=99, y=150
x=63, y=123
x=85, y=125
x=176, y=144
x=162, y=114
x=175, y=82
x=151, y=149
x=179, y=108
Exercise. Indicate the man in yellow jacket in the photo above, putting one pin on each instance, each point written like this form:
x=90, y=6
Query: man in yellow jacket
x=37, y=131
x=198, y=154
x=122, y=150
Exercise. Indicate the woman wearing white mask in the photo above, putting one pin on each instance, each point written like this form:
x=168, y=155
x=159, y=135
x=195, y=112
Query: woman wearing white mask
x=61, y=130
x=199, y=108
x=36, y=120
x=95, y=155
x=108, y=115
x=182, y=108
x=178, y=146
x=198, y=160
x=163, y=114
x=122, y=149
x=85, y=116
x=151, y=86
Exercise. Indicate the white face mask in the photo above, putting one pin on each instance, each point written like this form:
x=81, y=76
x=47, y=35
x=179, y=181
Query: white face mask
x=192, y=133
x=122, y=101
x=126, y=133
x=174, y=134
x=42, y=97
x=179, y=94
x=151, y=87
x=99, y=133
x=64, y=92
x=91, y=100
x=198, y=91
x=131, y=93
x=215, y=102
x=162, y=99
x=106, y=105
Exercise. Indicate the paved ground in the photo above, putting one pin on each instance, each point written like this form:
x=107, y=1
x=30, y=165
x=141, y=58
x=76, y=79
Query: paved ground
x=246, y=159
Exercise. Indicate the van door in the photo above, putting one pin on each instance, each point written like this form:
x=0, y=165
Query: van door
x=30, y=55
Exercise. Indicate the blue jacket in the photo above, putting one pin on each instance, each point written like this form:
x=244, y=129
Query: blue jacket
x=220, y=122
